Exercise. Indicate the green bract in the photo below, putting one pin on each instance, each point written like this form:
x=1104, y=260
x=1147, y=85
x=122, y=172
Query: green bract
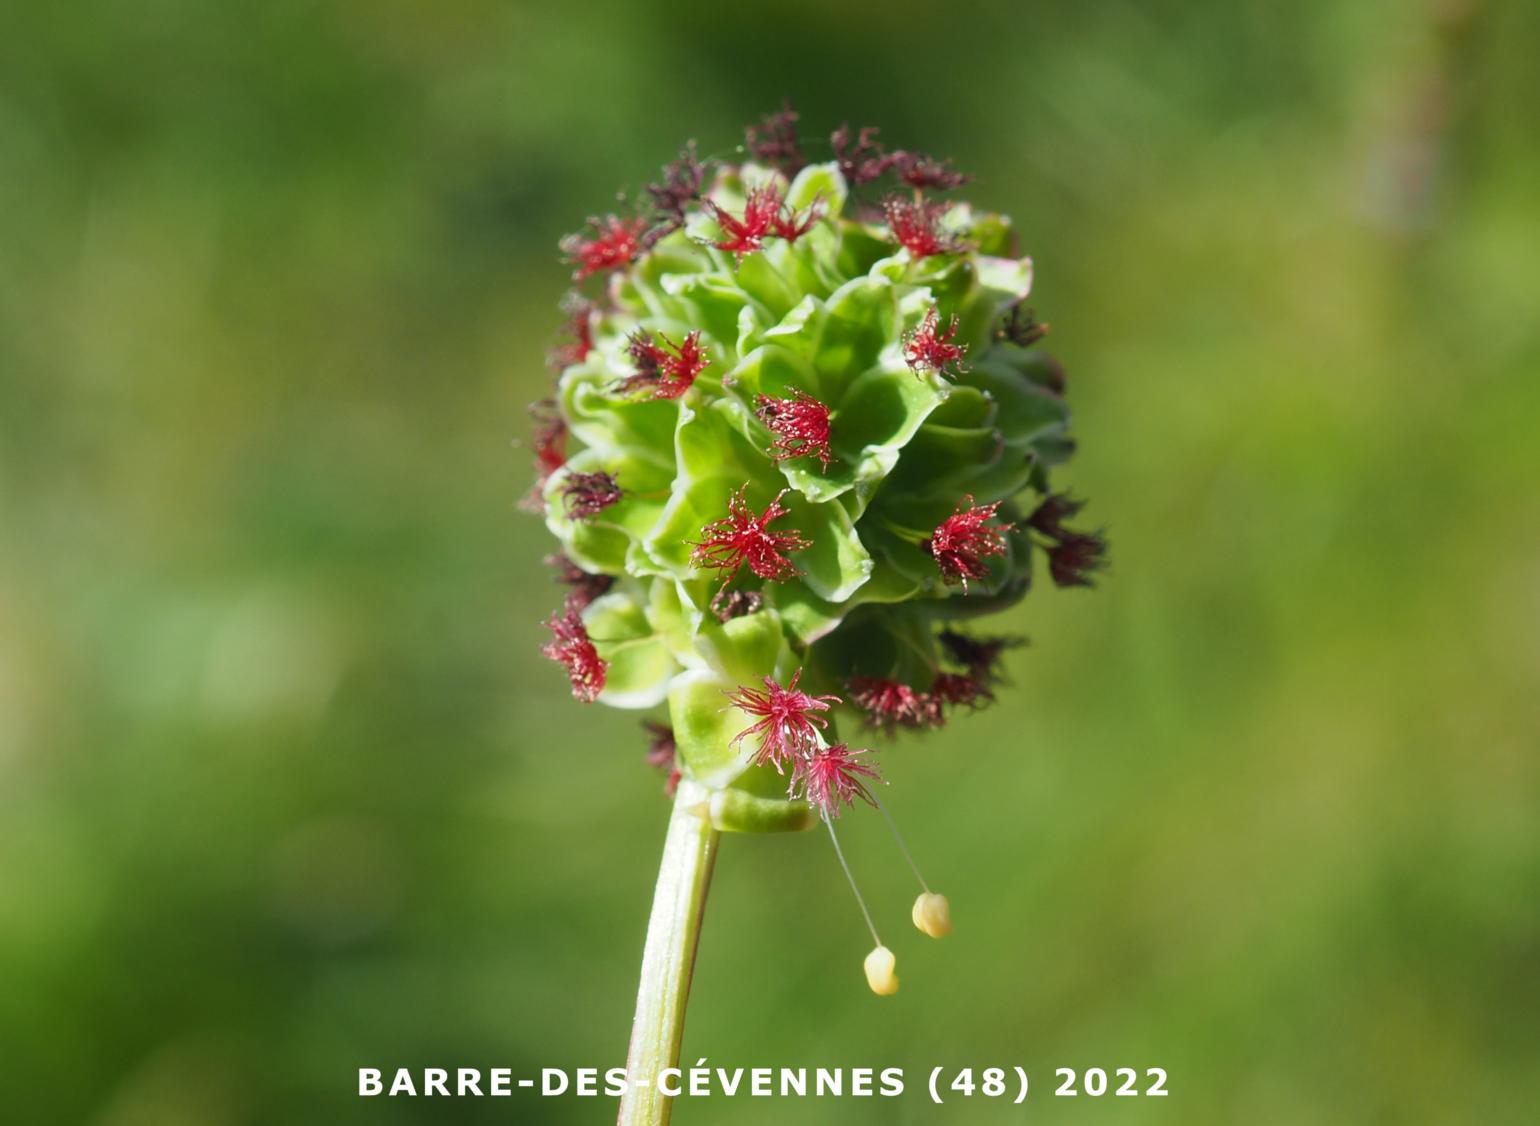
x=828, y=315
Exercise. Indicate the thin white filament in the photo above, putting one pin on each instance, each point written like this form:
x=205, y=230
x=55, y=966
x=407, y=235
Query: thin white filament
x=902, y=847
x=867, y=915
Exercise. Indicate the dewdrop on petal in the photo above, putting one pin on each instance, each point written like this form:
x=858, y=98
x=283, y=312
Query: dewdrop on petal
x=880, y=964
x=933, y=914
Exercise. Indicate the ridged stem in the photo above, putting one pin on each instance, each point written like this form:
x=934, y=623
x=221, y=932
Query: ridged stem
x=668, y=959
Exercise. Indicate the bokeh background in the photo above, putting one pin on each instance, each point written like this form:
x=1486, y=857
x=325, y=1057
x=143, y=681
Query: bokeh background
x=286, y=790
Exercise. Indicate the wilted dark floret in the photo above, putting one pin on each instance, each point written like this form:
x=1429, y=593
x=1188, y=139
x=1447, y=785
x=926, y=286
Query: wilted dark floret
x=1072, y=556
x=1021, y=327
x=1076, y=556
x=981, y=656
x=774, y=141
x=1049, y=516
x=584, y=586
x=680, y=186
x=578, y=339
x=730, y=604
x=585, y=495
x=861, y=159
x=960, y=690
x=923, y=172
x=663, y=370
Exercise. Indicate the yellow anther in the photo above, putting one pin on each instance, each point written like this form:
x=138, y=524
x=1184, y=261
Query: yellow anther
x=879, y=971
x=933, y=914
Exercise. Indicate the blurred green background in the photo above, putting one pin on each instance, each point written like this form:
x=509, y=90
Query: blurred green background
x=285, y=788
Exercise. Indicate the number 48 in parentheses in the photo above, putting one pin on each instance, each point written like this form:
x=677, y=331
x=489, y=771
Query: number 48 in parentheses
x=1093, y=1082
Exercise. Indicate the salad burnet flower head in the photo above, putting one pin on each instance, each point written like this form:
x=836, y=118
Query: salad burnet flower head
x=801, y=437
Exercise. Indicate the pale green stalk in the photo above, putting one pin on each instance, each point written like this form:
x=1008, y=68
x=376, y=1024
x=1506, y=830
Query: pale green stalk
x=668, y=960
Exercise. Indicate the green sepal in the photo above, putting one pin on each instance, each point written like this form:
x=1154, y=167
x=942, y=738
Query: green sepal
x=860, y=320
x=603, y=542
x=609, y=423
x=641, y=663
x=733, y=811
x=742, y=650
x=705, y=726
x=717, y=303
x=714, y=461
x=836, y=563
x=821, y=184
x=992, y=235
x=1027, y=411
x=739, y=653
x=887, y=641
x=809, y=617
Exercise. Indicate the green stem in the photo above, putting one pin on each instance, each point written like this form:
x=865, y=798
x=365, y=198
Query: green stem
x=668, y=959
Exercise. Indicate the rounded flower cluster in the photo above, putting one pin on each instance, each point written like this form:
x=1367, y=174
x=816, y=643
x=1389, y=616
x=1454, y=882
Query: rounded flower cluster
x=800, y=440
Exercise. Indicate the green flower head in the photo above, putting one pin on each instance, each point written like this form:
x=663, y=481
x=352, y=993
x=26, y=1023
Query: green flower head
x=801, y=430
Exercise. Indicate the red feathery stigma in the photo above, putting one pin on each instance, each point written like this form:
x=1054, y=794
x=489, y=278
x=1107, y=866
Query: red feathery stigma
x=920, y=172
x=549, y=439
x=915, y=225
x=572, y=647
x=742, y=537
x=765, y=215
x=964, y=539
x=666, y=370
x=786, y=723
x=929, y=348
x=585, y=495
x=791, y=224
x=746, y=235
x=860, y=162
x=549, y=442
x=584, y=586
x=774, y=141
x=887, y=703
x=831, y=777
x=615, y=242
x=579, y=339
x=800, y=425
x=980, y=656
